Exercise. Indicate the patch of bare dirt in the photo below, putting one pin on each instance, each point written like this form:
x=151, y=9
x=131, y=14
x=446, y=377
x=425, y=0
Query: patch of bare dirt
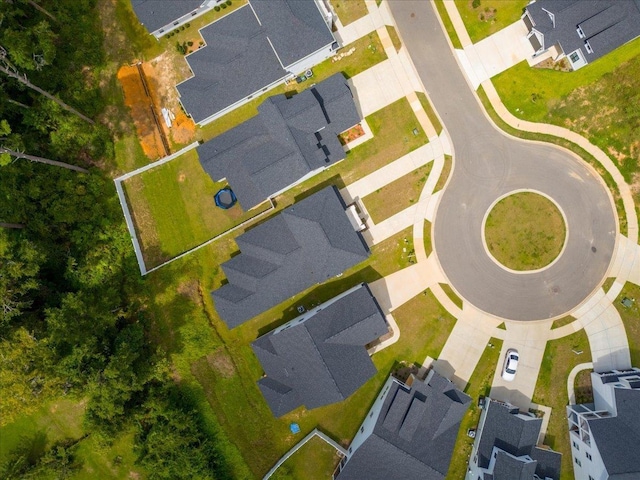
x=221, y=362
x=190, y=289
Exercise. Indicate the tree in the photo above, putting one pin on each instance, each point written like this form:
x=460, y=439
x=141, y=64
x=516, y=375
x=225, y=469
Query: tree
x=6, y=155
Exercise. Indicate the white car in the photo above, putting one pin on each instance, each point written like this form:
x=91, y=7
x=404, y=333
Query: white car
x=510, y=365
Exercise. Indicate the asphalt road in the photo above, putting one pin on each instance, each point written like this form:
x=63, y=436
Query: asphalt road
x=488, y=165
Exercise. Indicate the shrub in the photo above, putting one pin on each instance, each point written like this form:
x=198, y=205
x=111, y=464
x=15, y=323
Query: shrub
x=223, y=5
x=216, y=8
x=190, y=43
x=228, y=2
x=182, y=27
x=188, y=25
x=475, y=3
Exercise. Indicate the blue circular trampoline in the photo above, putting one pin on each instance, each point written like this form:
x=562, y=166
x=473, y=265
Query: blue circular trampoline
x=225, y=198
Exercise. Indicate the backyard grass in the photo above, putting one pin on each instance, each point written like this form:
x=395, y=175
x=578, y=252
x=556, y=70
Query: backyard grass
x=485, y=17
x=395, y=39
x=368, y=52
x=61, y=420
x=595, y=101
x=631, y=319
x=451, y=31
x=174, y=210
x=479, y=385
x=428, y=108
x=451, y=294
x=551, y=390
x=444, y=175
x=586, y=156
x=315, y=459
x=525, y=231
x=397, y=195
x=349, y=10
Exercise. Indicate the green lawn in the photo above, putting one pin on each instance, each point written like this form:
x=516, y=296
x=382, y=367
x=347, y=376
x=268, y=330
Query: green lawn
x=397, y=195
x=631, y=319
x=596, y=101
x=368, y=52
x=174, y=210
x=485, y=17
x=561, y=322
x=428, y=244
x=395, y=39
x=444, y=175
x=349, y=10
x=61, y=420
x=451, y=294
x=428, y=108
x=451, y=31
x=479, y=385
x=551, y=390
x=586, y=156
x=315, y=459
x=525, y=231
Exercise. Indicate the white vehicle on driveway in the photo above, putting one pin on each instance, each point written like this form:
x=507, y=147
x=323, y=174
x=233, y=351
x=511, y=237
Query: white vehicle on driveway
x=510, y=364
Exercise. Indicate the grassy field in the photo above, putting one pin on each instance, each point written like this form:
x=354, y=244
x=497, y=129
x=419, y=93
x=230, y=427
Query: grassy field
x=62, y=420
x=451, y=31
x=315, y=459
x=350, y=10
x=485, y=17
x=174, y=210
x=608, y=179
x=368, y=52
x=479, y=385
x=397, y=195
x=451, y=294
x=631, y=319
x=595, y=101
x=551, y=390
x=525, y=231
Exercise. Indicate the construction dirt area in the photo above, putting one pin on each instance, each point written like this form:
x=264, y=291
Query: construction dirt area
x=150, y=94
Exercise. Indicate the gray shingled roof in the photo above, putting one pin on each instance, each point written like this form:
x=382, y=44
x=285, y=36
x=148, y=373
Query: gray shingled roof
x=305, y=244
x=289, y=138
x=323, y=359
x=607, y=24
x=245, y=53
x=618, y=438
x=517, y=435
x=154, y=14
x=414, y=434
x=511, y=468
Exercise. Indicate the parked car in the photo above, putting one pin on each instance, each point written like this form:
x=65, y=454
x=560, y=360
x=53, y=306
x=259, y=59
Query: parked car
x=510, y=365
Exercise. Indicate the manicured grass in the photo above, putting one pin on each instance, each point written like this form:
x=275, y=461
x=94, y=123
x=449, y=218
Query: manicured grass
x=561, y=322
x=350, y=10
x=395, y=39
x=451, y=31
x=479, y=385
x=174, y=209
x=551, y=390
x=631, y=319
x=485, y=17
x=451, y=294
x=428, y=108
x=397, y=195
x=525, y=231
x=428, y=244
x=444, y=175
x=62, y=420
x=368, y=52
x=315, y=459
x=586, y=156
x=593, y=101
x=608, y=283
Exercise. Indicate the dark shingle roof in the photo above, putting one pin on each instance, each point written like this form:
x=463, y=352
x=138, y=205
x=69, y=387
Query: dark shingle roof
x=618, y=438
x=516, y=435
x=321, y=360
x=283, y=142
x=607, y=24
x=158, y=13
x=511, y=468
x=414, y=434
x=250, y=49
x=305, y=244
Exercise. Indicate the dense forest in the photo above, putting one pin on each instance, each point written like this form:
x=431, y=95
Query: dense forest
x=73, y=321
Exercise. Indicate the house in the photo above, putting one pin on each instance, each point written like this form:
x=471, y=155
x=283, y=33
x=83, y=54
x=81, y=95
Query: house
x=288, y=141
x=409, y=432
x=605, y=434
x=506, y=446
x=160, y=16
x=581, y=30
x=252, y=50
x=320, y=357
x=303, y=245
